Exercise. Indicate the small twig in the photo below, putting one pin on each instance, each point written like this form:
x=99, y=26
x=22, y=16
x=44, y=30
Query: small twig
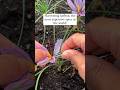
x=105, y=56
x=49, y=3
x=67, y=69
x=54, y=27
x=44, y=35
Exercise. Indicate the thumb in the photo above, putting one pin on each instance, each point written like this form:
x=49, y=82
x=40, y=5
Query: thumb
x=102, y=73
x=77, y=58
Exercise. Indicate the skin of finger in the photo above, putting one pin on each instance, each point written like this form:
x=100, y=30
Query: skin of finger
x=105, y=33
x=11, y=68
x=77, y=40
x=77, y=58
x=103, y=74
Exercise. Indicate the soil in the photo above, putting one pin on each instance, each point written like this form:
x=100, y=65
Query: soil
x=112, y=9
x=52, y=79
x=11, y=21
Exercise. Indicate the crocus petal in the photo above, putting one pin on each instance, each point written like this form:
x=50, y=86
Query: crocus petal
x=71, y=5
x=42, y=56
x=74, y=12
x=43, y=62
x=53, y=60
x=83, y=4
x=78, y=2
x=82, y=14
x=83, y=1
x=57, y=46
x=39, y=46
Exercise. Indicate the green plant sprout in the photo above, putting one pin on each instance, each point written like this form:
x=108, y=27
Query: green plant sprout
x=41, y=6
x=48, y=9
x=23, y=22
x=38, y=75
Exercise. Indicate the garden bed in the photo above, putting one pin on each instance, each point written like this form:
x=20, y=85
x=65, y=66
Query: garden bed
x=66, y=79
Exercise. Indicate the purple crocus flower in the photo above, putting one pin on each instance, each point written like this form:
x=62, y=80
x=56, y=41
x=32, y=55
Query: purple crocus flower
x=48, y=58
x=77, y=7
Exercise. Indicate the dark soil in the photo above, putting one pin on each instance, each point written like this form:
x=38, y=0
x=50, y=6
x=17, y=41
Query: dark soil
x=52, y=79
x=112, y=9
x=11, y=21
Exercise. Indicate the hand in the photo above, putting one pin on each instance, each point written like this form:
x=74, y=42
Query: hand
x=12, y=67
x=102, y=34
x=77, y=58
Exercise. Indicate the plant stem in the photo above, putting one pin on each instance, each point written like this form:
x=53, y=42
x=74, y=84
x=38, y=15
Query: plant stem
x=67, y=69
x=40, y=73
x=54, y=27
x=23, y=21
x=44, y=35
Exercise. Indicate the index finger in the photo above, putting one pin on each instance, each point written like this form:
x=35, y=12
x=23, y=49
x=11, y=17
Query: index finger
x=104, y=33
x=77, y=40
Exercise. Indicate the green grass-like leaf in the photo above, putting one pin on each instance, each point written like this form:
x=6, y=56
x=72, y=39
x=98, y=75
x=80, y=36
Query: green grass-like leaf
x=39, y=76
x=41, y=6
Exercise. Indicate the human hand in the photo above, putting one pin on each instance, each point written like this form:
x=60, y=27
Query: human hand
x=101, y=34
x=77, y=58
x=14, y=62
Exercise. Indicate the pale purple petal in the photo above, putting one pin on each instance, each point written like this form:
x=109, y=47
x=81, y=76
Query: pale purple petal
x=74, y=12
x=83, y=1
x=83, y=4
x=71, y=5
x=53, y=60
x=57, y=46
x=78, y=2
x=82, y=12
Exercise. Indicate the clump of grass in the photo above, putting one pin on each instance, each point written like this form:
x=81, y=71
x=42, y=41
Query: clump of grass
x=44, y=7
x=41, y=6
